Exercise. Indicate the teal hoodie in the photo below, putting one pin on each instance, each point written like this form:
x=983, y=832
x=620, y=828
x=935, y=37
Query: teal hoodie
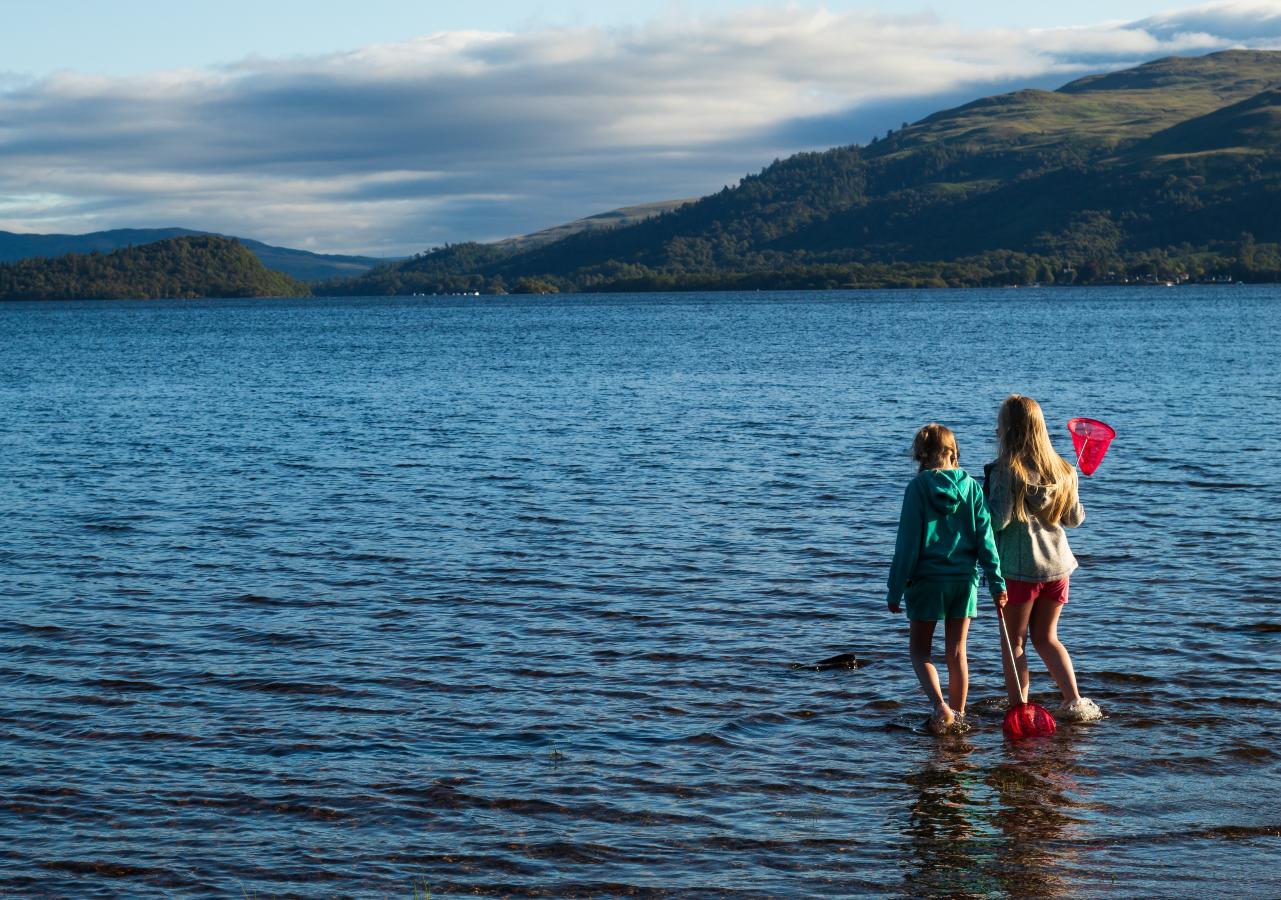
x=944, y=532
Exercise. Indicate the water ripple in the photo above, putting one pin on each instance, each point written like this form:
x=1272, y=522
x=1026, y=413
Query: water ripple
x=529, y=598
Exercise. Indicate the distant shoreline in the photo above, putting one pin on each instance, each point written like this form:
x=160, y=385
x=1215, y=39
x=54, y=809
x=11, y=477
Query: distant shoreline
x=654, y=292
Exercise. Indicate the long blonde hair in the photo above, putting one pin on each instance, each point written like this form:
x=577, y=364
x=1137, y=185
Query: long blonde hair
x=1023, y=446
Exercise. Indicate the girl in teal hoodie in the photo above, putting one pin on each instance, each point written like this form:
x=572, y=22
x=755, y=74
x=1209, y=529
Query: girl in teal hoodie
x=944, y=535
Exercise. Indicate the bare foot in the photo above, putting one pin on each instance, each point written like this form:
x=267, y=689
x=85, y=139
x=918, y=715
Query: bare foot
x=942, y=720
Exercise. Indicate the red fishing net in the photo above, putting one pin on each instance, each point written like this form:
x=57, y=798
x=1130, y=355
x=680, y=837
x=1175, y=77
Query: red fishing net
x=1090, y=439
x=1027, y=720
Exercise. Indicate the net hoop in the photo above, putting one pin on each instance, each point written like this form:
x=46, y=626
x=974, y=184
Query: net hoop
x=1090, y=439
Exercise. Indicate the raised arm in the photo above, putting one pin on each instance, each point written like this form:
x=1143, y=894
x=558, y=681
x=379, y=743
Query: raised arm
x=1076, y=512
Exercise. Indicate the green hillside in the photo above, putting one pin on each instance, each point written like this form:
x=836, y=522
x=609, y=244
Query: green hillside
x=184, y=267
x=1250, y=127
x=627, y=215
x=1170, y=170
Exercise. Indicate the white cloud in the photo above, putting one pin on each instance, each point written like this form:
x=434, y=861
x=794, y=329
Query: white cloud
x=1252, y=23
x=477, y=135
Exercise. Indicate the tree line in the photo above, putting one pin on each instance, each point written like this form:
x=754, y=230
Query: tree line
x=183, y=268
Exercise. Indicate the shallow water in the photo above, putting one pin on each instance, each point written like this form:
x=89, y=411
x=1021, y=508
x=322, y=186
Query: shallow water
x=503, y=597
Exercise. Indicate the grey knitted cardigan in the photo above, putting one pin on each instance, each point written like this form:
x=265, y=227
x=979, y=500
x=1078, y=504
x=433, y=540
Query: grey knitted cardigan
x=1030, y=551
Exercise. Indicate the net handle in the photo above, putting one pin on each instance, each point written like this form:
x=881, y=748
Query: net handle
x=1085, y=443
x=1014, y=669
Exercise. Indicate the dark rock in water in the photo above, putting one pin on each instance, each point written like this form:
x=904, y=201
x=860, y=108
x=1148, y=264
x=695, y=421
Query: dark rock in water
x=840, y=661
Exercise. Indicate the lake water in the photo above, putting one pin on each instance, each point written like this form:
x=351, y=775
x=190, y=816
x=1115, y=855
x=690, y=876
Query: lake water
x=503, y=596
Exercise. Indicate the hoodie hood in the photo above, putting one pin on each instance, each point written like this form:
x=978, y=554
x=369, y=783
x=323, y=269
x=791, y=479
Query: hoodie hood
x=944, y=489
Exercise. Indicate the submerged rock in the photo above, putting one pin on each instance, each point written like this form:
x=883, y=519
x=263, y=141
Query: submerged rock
x=840, y=661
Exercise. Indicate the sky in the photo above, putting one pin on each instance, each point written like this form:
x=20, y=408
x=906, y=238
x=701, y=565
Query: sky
x=387, y=127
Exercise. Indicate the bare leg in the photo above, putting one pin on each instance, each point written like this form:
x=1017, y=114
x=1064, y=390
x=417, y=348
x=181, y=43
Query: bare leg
x=1045, y=638
x=958, y=668
x=920, y=638
x=1016, y=618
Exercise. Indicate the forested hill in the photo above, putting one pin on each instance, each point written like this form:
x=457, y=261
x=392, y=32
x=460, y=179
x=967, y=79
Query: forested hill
x=185, y=267
x=300, y=264
x=1170, y=170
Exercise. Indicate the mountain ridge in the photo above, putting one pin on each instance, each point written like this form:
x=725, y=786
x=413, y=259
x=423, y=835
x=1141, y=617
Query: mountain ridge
x=300, y=264
x=614, y=218
x=1091, y=181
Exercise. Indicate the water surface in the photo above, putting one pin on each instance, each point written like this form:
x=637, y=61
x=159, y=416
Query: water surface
x=503, y=596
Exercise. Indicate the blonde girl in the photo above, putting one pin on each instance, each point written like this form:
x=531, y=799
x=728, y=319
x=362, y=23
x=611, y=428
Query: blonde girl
x=944, y=534
x=1032, y=495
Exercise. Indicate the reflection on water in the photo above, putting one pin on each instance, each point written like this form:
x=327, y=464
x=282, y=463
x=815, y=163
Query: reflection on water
x=1006, y=829
x=947, y=828
x=1037, y=796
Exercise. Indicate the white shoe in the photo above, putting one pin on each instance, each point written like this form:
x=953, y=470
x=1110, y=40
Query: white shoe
x=1083, y=710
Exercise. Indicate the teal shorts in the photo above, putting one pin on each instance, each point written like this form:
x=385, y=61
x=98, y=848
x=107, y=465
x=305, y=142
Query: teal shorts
x=933, y=601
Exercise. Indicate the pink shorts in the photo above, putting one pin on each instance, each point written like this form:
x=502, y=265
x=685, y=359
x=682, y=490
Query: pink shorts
x=1028, y=591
